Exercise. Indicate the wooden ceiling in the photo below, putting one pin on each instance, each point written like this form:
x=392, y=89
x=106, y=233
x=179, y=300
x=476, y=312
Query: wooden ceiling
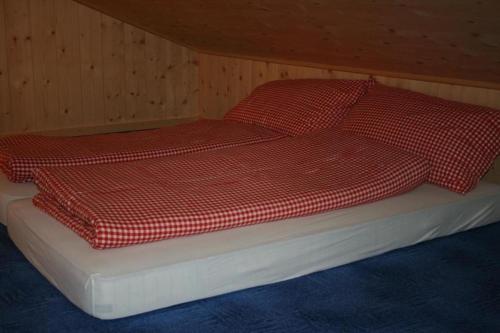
x=449, y=39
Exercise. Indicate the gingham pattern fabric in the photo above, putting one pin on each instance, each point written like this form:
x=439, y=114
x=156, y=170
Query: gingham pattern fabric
x=296, y=107
x=149, y=200
x=20, y=155
x=460, y=140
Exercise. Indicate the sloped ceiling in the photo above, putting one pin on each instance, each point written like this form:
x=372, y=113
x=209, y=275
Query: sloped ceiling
x=457, y=39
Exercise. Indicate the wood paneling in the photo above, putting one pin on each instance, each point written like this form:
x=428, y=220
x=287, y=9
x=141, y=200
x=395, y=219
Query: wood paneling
x=434, y=40
x=224, y=81
x=19, y=65
x=91, y=67
x=185, y=68
x=135, y=53
x=64, y=65
x=45, y=62
x=113, y=56
x=68, y=63
x=5, y=114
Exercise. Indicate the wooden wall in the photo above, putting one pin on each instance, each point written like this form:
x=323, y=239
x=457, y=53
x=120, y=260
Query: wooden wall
x=63, y=65
x=225, y=80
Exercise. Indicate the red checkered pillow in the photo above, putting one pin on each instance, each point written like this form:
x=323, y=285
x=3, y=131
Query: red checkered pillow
x=296, y=107
x=460, y=140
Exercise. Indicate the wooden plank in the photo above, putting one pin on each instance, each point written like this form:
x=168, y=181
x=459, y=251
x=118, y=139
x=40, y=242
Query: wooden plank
x=45, y=63
x=171, y=81
x=5, y=111
x=113, y=52
x=244, y=80
x=204, y=85
x=91, y=67
x=20, y=64
x=232, y=85
x=259, y=73
x=156, y=71
x=177, y=72
x=193, y=82
x=135, y=63
x=219, y=84
x=69, y=62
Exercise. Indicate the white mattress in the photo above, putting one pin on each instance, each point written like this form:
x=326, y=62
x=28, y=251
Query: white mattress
x=122, y=282
x=13, y=191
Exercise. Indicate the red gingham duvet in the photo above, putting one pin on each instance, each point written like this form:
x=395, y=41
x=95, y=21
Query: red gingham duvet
x=20, y=155
x=149, y=200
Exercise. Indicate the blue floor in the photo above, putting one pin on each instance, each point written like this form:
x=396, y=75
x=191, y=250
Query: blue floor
x=446, y=285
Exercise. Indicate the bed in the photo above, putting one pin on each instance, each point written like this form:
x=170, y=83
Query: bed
x=121, y=282
x=281, y=209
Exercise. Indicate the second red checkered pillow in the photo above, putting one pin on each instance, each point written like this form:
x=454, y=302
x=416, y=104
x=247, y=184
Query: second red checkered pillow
x=296, y=107
x=460, y=140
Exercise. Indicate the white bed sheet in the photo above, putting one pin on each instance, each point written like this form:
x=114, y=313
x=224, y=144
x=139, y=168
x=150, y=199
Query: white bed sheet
x=10, y=192
x=122, y=282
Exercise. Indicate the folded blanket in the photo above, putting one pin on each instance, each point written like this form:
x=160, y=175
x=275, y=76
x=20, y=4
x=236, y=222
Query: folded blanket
x=21, y=154
x=149, y=200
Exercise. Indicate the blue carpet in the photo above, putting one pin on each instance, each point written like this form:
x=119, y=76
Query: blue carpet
x=446, y=285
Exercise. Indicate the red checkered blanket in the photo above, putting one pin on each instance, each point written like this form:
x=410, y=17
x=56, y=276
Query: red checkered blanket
x=20, y=155
x=150, y=200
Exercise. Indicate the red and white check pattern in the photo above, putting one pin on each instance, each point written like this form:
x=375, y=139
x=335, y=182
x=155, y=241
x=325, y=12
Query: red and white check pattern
x=460, y=140
x=296, y=107
x=20, y=155
x=149, y=200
